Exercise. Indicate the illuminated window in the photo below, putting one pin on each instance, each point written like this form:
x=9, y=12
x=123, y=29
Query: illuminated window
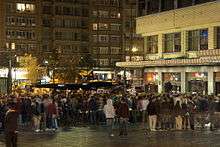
x=103, y=26
x=95, y=26
x=21, y=7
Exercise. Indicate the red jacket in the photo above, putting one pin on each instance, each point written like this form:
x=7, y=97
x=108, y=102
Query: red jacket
x=51, y=109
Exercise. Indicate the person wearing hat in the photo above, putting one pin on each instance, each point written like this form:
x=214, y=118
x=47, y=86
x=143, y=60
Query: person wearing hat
x=11, y=119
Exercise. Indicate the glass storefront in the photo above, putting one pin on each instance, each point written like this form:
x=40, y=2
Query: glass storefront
x=171, y=82
x=151, y=82
x=197, y=82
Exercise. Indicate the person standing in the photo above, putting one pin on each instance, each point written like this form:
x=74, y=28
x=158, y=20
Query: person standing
x=109, y=114
x=178, y=116
x=36, y=115
x=152, y=112
x=123, y=112
x=11, y=119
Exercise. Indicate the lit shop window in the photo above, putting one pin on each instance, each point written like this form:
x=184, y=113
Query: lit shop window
x=95, y=26
x=25, y=7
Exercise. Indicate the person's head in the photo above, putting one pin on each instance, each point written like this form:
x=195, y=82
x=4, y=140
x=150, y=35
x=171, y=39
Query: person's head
x=12, y=105
x=123, y=100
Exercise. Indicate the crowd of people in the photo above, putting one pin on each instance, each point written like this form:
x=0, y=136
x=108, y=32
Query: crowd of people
x=154, y=111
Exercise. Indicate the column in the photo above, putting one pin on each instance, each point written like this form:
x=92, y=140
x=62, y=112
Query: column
x=160, y=45
x=211, y=38
x=183, y=42
x=160, y=82
x=145, y=46
x=183, y=82
x=210, y=82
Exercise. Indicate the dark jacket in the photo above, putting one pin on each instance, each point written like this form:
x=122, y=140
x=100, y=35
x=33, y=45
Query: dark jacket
x=93, y=106
x=123, y=110
x=11, y=121
x=151, y=109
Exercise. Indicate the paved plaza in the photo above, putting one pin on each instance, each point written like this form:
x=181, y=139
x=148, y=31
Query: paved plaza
x=97, y=137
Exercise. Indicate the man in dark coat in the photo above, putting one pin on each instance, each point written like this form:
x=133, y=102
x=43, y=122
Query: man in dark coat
x=11, y=126
x=123, y=113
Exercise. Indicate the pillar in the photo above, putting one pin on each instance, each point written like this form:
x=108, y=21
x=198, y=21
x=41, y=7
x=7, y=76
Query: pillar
x=160, y=45
x=183, y=82
x=160, y=82
x=210, y=82
x=183, y=42
x=145, y=46
x=211, y=36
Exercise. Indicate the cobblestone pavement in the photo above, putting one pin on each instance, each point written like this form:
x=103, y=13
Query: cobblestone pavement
x=97, y=137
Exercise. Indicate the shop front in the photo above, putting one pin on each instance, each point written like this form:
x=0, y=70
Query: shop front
x=197, y=82
x=151, y=82
x=171, y=82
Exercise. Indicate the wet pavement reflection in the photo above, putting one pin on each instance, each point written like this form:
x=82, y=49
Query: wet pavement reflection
x=97, y=137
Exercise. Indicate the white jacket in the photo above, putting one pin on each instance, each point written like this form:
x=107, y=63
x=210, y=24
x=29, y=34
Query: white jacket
x=109, y=109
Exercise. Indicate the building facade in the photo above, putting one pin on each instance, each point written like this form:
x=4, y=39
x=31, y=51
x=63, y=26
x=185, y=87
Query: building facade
x=58, y=32
x=112, y=35
x=181, y=48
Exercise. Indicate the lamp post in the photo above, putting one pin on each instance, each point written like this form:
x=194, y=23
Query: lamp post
x=9, y=81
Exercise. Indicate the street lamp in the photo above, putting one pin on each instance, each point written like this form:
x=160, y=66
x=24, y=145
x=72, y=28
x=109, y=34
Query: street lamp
x=9, y=81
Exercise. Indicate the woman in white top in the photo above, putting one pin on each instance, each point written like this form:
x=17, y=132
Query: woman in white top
x=109, y=114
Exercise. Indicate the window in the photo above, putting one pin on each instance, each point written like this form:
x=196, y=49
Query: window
x=21, y=7
x=95, y=38
x=218, y=38
x=115, y=50
x=94, y=13
x=184, y=3
x=172, y=42
x=103, y=14
x=103, y=38
x=167, y=5
x=115, y=27
x=152, y=44
x=152, y=6
x=20, y=34
x=95, y=26
x=103, y=26
x=104, y=62
x=103, y=50
x=198, y=40
x=115, y=38
x=115, y=14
